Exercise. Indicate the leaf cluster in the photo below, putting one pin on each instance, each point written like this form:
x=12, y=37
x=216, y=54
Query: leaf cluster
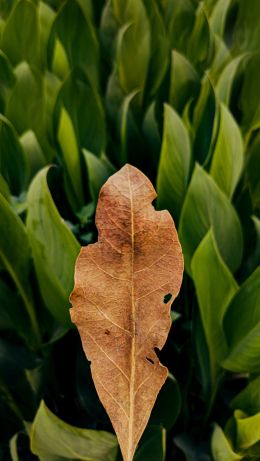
x=172, y=87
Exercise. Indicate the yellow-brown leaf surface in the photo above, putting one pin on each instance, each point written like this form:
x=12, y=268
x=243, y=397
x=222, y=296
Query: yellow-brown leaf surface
x=118, y=300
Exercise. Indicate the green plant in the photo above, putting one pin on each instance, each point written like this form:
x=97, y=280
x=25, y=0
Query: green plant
x=172, y=87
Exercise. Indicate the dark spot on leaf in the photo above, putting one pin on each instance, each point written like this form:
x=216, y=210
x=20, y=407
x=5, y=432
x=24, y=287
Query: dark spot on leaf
x=107, y=332
x=167, y=298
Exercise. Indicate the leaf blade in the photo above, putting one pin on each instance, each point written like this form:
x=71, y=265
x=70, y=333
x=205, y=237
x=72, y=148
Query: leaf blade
x=123, y=266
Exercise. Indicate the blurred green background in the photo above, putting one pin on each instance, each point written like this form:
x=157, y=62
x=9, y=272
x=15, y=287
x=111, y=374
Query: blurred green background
x=172, y=87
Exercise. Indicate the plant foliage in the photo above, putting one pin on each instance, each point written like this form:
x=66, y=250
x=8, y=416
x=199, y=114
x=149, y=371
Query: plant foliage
x=172, y=87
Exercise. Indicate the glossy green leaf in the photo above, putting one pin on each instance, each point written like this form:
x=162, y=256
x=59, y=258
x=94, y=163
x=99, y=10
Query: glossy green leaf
x=247, y=429
x=221, y=57
x=208, y=267
x=13, y=163
x=133, y=45
x=203, y=122
x=60, y=65
x=53, y=247
x=25, y=106
x=16, y=261
x=228, y=158
x=221, y=447
x=71, y=158
x=219, y=16
x=99, y=170
x=242, y=327
x=175, y=163
x=227, y=79
x=33, y=152
x=124, y=116
x=151, y=133
x=152, y=445
x=206, y=206
x=248, y=400
x=52, y=437
x=20, y=39
x=46, y=18
x=249, y=103
x=81, y=45
x=47, y=134
x=184, y=81
x=84, y=106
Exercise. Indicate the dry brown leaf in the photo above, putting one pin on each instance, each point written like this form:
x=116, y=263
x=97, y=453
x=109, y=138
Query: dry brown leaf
x=118, y=301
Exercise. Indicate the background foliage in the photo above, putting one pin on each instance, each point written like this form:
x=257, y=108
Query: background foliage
x=171, y=86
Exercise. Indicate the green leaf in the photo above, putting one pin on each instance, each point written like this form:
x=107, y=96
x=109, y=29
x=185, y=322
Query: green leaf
x=124, y=118
x=99, y=170
x=203, y=122
x=20, y=39
x=4, y=189
x=25, y=107
x=13, y=163
x=54, y=248
x=184, y=81
x=227, y=79
x=249, y=103
x=7, y=75
x=160, y=47
x=33, y=152
x=208, y=269
x=133, y=45
x=167, y=406
x=228, y=158
x=51, y=437
x=200, y=46
x=248, y=400
x=60, y=65
x=247, y=429
x=88, y=119
x=242, y=327
x=221, y=57
x=14, y=448
x=46, y=18
x=175, y=163
x=71, y=158
x=152, y=445
x=219, y=16
x=15, y=259
x=206, y=206
x=80, y=44
x=221, y=447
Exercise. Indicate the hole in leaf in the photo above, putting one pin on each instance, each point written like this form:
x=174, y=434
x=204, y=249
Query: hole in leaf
x=150, y=360
x=167, y=298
